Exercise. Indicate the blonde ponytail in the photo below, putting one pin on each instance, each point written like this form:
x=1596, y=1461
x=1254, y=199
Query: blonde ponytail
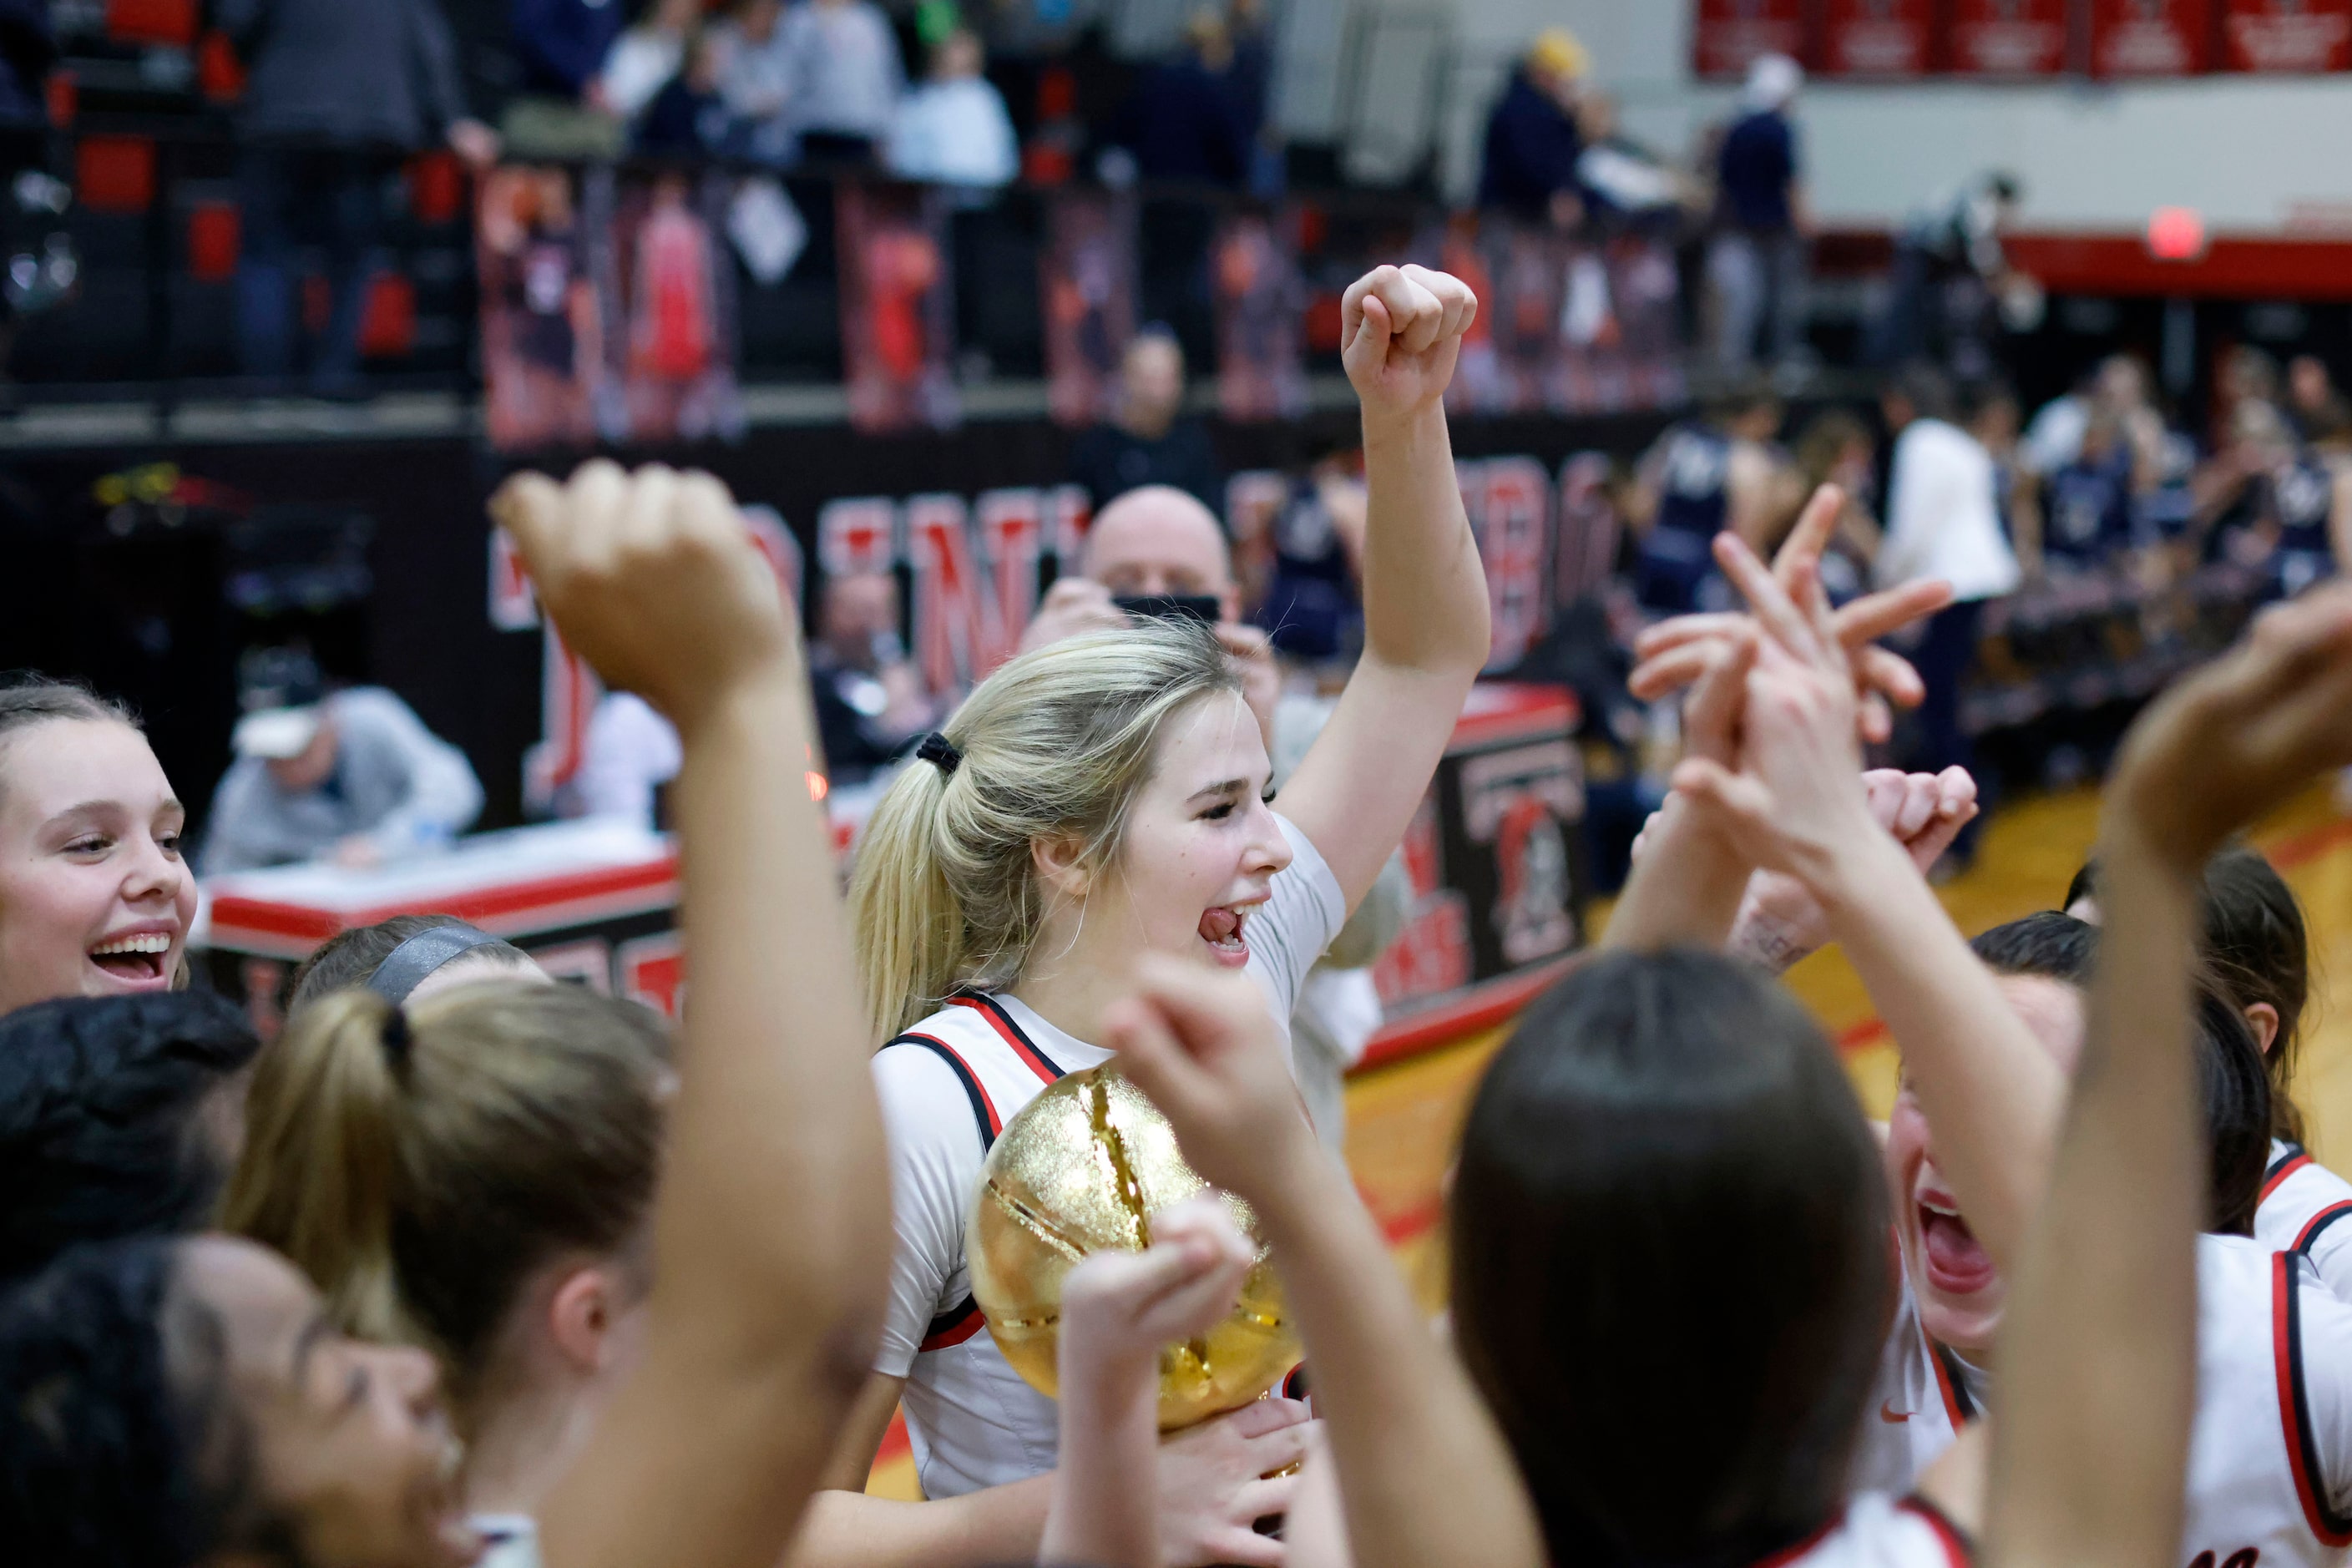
x=946, y=895
x=911, y=932
x=319, y=1170
x=420, y=1166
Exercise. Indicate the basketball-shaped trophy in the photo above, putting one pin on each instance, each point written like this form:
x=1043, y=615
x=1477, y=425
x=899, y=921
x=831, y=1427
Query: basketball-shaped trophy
x=1082, y=1168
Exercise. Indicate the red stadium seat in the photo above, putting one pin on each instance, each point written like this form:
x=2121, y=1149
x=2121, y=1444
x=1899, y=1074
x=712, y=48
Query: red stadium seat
x=115, y=174
x=65, y=97
x=219, y=73
x=388, y=327
x=436, y=187
x=151, y=21
x=213, y=238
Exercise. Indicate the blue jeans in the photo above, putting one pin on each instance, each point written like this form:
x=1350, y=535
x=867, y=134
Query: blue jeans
x=295, y=198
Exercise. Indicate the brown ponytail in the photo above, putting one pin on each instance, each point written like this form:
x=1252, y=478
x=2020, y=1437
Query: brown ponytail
x=420, y=1167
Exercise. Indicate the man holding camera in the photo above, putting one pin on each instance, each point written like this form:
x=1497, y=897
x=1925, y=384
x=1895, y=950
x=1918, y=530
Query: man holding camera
x=1157, y=551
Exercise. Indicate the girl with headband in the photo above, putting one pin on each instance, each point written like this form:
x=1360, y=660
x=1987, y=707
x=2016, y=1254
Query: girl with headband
x=200, y=1401
x=408, y=958
x=1092, y=802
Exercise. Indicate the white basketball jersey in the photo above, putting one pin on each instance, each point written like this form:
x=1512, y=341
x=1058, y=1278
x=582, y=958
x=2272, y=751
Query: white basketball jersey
x=1878, y=1532
x=947, y=1087
x=971, y=1419
x=2302, y=1203
x=2269, y=1459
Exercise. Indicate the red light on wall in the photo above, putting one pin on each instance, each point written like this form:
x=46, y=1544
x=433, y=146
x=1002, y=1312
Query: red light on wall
x=2176, y=233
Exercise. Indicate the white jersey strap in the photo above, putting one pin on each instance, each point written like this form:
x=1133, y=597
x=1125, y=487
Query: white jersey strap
x=2295, y=1405
x=2291, y=1158
x=962, y=1320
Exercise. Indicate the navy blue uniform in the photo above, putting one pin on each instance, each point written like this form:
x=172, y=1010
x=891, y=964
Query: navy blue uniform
x=2301, y=494
x=1676, y=554
x=2087, y=510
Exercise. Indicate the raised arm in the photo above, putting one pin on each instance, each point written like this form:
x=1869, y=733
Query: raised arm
x=1427, y=1480
x=2099, y=1350
x=771, y=1225
x=1425, y=627
x=1796, y=804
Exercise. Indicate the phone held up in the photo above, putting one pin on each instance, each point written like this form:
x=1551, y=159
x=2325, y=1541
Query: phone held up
x=1201, y=607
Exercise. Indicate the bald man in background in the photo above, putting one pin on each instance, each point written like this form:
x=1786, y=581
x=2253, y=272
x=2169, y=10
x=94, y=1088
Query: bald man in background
x=1157, y=541
x=1152, y=542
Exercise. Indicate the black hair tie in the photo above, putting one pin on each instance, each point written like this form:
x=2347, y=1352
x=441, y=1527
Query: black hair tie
x=397, y=1041
x=939, y=751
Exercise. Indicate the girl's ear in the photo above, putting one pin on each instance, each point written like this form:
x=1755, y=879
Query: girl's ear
x=2263, y=1019
x=1060, y=859
x=579, y=1314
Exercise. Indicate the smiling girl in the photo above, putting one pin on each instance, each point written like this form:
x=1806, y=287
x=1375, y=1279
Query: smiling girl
x=95, y=900
x=1095, y=801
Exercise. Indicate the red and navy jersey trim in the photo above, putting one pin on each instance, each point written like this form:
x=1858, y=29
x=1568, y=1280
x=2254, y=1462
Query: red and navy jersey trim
x=1010, y=1033
x=2295, y=1407
x=954, y=1326
x=983, y=1109
x=1959, y=1551
x=2285, y=1165
x=2318, y=1223
x=1951, y=1384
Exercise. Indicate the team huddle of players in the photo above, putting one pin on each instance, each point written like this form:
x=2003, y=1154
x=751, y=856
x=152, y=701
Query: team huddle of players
x=468, y=1267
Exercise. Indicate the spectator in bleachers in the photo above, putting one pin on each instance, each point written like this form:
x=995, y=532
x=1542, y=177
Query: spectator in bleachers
x=844, y=75
x=336, y=97
x=1248, y=80
x=689, y=115
x=1941, y=523
x=1949, y=270
x=1151, y=440
x=753, y=79
x=1619, y=176
x=353, y=773
x=1756, y=264
x=647, y=54
x=560, y=48
x=953, y=129
x=869, y=701
x=1533, y=141
x=1185, y=123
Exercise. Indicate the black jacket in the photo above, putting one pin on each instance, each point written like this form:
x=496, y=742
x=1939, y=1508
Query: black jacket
x=367, y=73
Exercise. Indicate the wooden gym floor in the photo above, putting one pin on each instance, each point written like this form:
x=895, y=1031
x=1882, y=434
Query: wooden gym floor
x=1402, y=1118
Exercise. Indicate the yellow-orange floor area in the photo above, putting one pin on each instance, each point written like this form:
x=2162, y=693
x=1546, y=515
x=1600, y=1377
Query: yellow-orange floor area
x=1402, y=1118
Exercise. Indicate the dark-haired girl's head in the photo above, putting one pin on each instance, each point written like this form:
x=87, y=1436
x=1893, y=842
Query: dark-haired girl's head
x=2043, y=964
x=172, y=1403
x=2258, y=951
x=1669, y=1238
x=353, y=957
x=120, y=1116
x=95, y=900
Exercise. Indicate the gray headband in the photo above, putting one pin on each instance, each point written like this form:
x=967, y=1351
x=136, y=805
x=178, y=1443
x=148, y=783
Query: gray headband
x=406, y=967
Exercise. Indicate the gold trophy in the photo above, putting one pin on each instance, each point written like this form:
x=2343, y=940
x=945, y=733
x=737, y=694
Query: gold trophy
x=1083, y=1168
